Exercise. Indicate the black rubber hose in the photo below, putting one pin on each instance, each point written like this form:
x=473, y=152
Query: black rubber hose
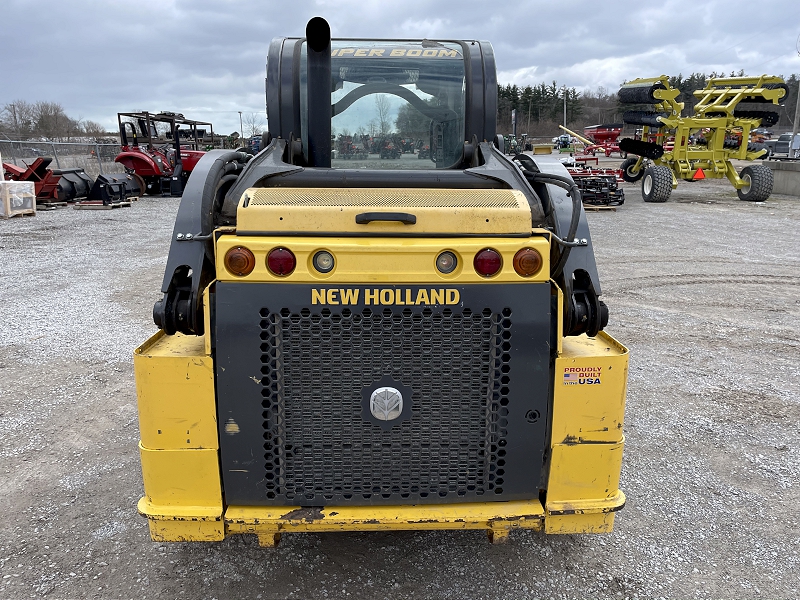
x=223, y=165
x=532, y=174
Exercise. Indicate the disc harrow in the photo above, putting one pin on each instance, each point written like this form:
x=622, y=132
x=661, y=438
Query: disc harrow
x=672, y=147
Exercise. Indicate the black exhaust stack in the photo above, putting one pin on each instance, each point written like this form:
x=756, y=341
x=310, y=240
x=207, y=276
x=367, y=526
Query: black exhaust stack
x=318, y=38
x=176, y=181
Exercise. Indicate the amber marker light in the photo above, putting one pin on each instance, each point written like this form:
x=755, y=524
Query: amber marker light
x=527, y=262
x=488, y=262
x=281, y=261
x=240, y=261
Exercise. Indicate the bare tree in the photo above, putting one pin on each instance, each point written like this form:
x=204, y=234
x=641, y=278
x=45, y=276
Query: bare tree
x=382, y=105
x=253, y=123
x=18, y=118
x=53, y=123
x=93, y=129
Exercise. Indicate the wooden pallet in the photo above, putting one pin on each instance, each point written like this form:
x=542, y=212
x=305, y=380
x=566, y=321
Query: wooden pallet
x=598, y=208
x=98, y=205
x=50, y=205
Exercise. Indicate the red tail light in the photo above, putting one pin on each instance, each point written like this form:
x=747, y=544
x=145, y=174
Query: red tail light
x=488, y=262
x=281, y=261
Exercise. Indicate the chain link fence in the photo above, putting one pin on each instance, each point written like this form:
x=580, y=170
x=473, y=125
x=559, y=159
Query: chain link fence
x=93, y=158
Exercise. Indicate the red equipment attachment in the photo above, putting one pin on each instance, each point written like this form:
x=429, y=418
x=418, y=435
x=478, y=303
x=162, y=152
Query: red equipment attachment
x=45, y=180
x=51, y=185
x=599, y=187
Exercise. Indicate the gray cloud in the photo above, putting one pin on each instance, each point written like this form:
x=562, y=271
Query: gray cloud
x=205, y=58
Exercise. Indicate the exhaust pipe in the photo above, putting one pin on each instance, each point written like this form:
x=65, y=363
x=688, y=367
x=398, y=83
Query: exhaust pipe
x=318, y=39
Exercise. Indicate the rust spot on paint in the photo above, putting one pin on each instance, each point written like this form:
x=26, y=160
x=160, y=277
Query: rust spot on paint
x=308, y=514
x=425, y=521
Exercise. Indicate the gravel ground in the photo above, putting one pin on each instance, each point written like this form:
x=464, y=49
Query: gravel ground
x=703, y=289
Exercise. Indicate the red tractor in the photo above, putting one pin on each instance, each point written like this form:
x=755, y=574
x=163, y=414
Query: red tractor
x=162, y=163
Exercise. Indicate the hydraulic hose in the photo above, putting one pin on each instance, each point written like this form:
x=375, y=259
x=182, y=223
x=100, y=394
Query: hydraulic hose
x=532, y=174
x=223, y=166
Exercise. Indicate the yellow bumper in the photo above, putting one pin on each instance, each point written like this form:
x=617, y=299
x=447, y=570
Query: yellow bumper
x=268, y=523
x=180, y=457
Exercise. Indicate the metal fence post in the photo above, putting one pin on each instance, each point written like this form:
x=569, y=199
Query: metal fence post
x=99, y=161
x=55, y=155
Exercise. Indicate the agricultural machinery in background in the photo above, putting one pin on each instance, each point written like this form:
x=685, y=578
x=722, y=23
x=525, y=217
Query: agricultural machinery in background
x=599, y=139
x=701, y=146
x=54, y=186
x=161, y=162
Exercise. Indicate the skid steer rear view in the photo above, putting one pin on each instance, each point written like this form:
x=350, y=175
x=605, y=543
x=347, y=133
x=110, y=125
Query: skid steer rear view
x=373, y=343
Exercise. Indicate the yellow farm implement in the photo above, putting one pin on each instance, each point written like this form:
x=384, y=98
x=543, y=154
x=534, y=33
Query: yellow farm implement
x=700, y=146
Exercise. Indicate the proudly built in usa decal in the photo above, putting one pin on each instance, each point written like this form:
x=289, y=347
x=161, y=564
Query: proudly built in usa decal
x=582, y=375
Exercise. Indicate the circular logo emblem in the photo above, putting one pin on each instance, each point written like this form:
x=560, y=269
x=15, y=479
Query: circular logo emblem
x=386, y=403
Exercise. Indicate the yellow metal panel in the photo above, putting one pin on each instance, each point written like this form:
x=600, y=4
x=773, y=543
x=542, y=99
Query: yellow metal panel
x=589, y=523
x=333, y=210
x=175, y=393
x=584, y=478
x=526, y=514
x=591, y=378
x=183, y=523
x=179, y=481
x=186, y=531
x=385, y=260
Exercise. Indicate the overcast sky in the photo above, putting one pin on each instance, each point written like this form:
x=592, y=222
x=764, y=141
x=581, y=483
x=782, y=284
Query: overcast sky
x=205, y=58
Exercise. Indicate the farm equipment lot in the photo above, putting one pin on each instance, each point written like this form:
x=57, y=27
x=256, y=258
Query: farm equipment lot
x=703, y=289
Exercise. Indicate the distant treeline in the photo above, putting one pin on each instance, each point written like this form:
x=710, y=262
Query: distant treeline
x=21, y=120
x=540, y=108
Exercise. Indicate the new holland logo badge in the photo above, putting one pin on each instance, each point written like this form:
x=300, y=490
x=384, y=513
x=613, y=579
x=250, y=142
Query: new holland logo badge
x=386, y=402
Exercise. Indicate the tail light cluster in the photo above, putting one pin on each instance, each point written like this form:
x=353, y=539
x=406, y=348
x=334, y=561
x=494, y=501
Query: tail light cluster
x=241, y=261
x=281, y=262
x=527, y=262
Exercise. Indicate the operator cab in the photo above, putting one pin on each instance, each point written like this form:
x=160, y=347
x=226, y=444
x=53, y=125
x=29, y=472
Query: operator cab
x=394, y=104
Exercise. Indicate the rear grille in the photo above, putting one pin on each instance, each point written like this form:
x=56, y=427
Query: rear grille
x=319, y=448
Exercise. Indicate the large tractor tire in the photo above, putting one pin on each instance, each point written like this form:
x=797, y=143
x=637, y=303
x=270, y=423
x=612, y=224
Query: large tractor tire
x=639, y=94
x=656, y=184
x=758, y=181
x=140, y=182
x=627, y=174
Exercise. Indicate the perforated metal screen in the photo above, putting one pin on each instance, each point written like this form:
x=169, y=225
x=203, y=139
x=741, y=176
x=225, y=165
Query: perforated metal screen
x=318, y=445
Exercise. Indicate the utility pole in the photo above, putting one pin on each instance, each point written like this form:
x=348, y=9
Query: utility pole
x=530, y=99
x=241, y=127
x=565, y=106
x=792, y=151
